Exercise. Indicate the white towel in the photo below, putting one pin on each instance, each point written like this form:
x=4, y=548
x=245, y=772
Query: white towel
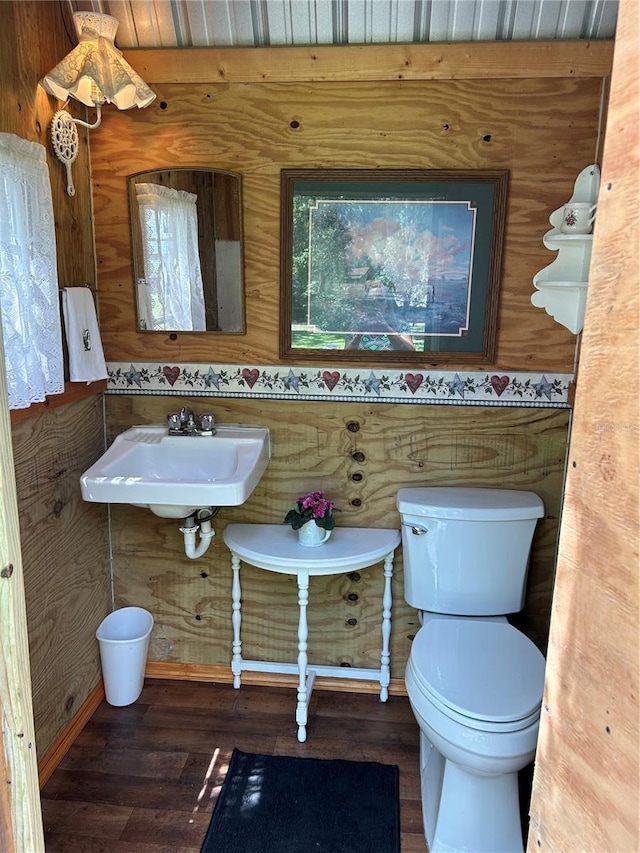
x=86, y=358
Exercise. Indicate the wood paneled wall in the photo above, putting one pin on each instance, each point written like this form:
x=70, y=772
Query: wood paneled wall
x=65, y=549
x=586, y=785
x=544, y=131
x=312, y=448
x=64, y=541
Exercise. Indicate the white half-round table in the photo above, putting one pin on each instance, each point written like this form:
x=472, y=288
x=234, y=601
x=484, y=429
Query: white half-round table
x=275, y=547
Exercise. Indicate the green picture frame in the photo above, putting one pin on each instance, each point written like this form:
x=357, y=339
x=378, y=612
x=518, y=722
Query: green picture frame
x=399, y=265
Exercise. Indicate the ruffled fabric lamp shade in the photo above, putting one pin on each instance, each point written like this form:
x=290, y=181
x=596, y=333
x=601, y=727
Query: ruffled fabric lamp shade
x=95, y=71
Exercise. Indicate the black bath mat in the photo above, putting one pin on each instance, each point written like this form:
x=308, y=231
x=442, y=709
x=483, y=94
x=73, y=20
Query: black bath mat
x=275, y=804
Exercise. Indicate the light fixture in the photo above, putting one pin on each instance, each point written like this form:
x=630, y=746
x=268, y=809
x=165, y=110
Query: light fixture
x=93, y=73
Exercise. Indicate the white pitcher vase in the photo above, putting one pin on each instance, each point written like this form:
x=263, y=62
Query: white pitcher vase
x=311, y=536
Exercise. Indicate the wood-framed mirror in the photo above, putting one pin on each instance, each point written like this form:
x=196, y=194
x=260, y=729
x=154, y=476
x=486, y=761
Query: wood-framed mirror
x=187, y=246
x=400, y=265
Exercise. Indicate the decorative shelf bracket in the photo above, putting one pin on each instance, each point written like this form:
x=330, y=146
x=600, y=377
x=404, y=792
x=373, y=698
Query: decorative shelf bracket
x=561, y=287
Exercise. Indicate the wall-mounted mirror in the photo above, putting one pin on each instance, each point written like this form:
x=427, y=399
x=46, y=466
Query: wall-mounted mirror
x=186, y=239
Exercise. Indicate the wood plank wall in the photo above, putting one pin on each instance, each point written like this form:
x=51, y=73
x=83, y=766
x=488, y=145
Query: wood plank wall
x=64, y=541
x=544, y=131
x=65, y=549
x=587, y=786
x=312, y=448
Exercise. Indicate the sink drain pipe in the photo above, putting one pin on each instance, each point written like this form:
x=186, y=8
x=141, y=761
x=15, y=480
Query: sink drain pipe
x=200, y=521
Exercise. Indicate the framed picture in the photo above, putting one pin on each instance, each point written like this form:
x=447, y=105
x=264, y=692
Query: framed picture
x=391, y=265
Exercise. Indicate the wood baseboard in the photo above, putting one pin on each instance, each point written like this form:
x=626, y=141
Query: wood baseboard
x=65, y=740
x=196, y=672
x=222, y=675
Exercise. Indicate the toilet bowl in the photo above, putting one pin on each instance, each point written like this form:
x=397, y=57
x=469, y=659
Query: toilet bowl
x=475, y=687
x=474, y=681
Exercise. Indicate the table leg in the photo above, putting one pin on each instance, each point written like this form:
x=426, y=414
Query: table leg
x=236, y=619
x=303, y=633
x=386, y=628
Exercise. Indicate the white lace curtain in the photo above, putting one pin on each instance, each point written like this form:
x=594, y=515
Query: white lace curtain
x=171, y=295
x=28, y=274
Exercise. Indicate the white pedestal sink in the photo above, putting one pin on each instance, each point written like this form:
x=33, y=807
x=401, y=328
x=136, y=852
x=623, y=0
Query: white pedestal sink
x=175, y=475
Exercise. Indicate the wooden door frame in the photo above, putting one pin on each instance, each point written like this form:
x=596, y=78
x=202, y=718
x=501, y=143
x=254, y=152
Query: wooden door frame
x=20, y=813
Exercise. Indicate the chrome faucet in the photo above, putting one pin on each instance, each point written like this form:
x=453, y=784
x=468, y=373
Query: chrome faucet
x=185, y=422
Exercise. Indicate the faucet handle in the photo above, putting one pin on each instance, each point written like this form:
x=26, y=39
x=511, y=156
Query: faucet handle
x=174, y=421
x=206, y=423
x=186, y=417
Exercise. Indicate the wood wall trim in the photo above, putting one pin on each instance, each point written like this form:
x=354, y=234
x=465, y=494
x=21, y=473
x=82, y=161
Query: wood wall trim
x=65, y=741
x=73, y=392
x=222, y=675
x=329, y=63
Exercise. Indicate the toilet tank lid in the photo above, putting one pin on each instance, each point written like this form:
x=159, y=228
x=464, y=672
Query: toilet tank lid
x=470, y=503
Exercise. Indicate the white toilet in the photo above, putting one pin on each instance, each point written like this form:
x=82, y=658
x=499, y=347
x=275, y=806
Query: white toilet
x=474, y=681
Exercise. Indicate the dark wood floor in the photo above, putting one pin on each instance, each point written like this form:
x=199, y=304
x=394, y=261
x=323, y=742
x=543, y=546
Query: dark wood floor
x=144, y=779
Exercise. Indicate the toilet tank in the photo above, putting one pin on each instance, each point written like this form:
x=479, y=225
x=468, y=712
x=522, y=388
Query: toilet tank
x=466, y=550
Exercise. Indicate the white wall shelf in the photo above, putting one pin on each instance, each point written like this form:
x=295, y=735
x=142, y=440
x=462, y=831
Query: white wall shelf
x=561, y=287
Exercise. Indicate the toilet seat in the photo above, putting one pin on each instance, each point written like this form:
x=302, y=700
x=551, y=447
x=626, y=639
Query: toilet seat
x=485, y=675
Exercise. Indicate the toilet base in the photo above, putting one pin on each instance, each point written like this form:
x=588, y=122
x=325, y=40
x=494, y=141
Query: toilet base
x=463, y=811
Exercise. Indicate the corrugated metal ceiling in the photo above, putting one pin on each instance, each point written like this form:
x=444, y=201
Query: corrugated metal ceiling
x=244, y=23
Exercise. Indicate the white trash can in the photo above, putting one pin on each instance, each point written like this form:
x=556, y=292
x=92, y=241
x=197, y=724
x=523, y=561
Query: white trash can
x=124, y=642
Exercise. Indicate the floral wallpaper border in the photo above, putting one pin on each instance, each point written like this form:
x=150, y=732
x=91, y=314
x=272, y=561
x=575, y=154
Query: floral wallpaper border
x=462, y=387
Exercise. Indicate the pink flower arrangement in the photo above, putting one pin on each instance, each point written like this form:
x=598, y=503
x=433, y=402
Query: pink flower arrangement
x=312, y=507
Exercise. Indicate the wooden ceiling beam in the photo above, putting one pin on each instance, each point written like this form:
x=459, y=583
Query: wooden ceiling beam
x=434, y=61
